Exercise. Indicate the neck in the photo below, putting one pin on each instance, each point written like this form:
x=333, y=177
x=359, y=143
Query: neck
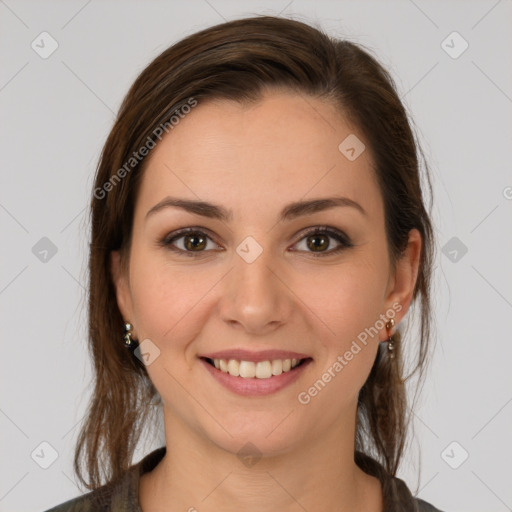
x=197, y=475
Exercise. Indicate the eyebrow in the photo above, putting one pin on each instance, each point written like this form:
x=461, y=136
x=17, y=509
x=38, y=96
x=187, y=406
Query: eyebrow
x=289, y=212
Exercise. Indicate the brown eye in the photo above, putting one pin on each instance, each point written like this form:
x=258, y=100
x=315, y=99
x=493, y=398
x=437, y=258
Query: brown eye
x=189, y=242
x=317, y=243
x=323, y=241
x=194, y=242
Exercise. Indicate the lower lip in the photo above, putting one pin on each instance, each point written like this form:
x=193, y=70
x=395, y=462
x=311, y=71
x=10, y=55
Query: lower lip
x=255, y=386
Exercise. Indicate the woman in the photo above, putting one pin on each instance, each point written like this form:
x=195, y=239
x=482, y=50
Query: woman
x=259, y=232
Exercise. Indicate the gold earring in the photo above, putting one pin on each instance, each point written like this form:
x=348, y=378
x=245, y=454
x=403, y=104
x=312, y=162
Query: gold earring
x=128, y=342
x=391, y=347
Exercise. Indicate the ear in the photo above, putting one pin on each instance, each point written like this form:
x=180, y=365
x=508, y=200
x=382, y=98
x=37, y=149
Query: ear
x=403, y=282
x=122, y=287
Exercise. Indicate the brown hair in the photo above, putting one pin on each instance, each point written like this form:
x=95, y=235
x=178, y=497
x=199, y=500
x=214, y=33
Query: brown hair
x=237, y=60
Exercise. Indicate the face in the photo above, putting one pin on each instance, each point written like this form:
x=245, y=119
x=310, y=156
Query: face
x=265, y=282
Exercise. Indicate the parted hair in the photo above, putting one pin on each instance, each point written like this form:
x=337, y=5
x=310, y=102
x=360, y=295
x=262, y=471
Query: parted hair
x=239, y=60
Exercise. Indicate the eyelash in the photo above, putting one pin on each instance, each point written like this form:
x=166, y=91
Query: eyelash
x=339, y=236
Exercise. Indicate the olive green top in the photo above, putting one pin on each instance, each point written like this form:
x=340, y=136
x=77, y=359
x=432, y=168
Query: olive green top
x=123, y=496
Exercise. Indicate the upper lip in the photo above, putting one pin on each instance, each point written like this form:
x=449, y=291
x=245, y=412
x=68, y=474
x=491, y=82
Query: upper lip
x=247, y=355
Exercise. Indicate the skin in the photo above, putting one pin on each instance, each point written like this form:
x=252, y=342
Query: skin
x=255, y=159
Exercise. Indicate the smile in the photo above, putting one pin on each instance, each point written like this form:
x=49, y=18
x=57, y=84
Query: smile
x=238, y=374
x=251, y=370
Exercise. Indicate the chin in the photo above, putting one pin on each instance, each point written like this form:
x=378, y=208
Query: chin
x=264, y=433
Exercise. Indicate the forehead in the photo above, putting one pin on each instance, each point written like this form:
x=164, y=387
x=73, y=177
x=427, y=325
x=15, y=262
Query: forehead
x=283, y=147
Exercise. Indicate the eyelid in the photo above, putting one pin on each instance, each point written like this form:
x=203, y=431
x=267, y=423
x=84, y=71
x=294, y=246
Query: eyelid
x=339, y=236
x=168, y=240
x=333, y=233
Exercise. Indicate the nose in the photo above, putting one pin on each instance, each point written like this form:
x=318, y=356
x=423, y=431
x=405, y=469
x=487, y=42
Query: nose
x=256, y=298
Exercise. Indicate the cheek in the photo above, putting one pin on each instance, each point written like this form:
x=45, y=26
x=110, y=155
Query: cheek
x=347, y=298
x=349, y=302
x=167, y=299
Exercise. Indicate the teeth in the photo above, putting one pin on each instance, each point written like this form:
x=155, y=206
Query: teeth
x=234, y=368
x=247, y=369
x=277, y=367
x=263, y=370
x=260, y=370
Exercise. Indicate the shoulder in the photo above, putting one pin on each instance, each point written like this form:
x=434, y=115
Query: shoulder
x=99, y=500
x=400, y=498
x=424, y=506
x=108, y=498
x=119, y=496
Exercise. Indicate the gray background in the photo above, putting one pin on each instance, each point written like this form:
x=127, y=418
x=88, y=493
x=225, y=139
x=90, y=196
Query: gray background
x=56, y=113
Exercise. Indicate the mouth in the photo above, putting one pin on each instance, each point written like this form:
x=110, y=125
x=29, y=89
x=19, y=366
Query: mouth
x=255, y=374
x=266, y=369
